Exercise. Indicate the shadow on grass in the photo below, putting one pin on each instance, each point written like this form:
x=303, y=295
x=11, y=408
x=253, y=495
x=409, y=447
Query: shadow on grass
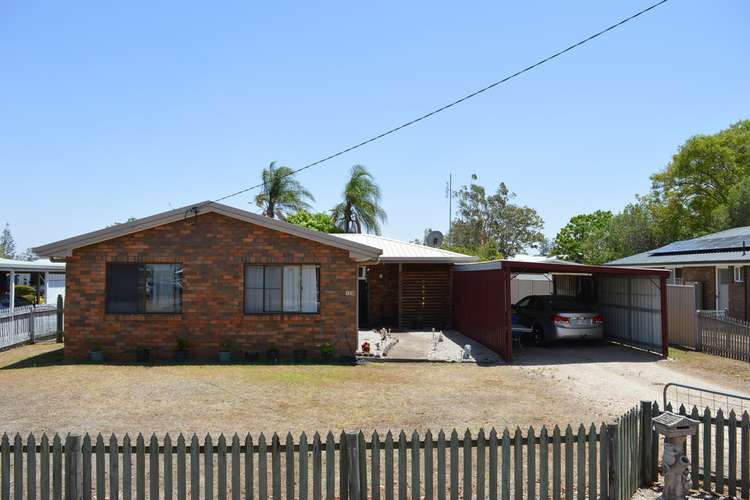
x=56, y=357
x=53, y=357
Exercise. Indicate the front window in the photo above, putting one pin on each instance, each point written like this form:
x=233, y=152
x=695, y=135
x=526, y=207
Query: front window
x=289, y=288
x=144, y=288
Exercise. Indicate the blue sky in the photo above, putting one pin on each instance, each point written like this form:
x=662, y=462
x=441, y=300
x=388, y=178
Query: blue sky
x=111, y=110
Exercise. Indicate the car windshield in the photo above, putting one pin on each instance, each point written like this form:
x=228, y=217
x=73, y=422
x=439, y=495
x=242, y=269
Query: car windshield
x=565, y=304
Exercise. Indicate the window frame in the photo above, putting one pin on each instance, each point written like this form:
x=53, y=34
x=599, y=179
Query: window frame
x=141, y=300
x=739, y=274
x=280, y=312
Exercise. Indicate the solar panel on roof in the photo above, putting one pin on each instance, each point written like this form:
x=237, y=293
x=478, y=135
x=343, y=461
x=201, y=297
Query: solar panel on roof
x=735, y=240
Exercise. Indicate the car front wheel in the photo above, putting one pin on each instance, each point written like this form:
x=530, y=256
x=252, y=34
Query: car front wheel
x=537, y=336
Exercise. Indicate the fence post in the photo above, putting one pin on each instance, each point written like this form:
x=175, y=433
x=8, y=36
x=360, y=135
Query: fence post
x=73, y=469
x=59, y=319
x=352, y=458
x=31, y=325
x=645, y=444
x=698, y=332
x=612, y=452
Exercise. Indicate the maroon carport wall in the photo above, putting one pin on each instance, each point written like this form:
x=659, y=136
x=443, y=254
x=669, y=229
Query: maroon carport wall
x=632, y=300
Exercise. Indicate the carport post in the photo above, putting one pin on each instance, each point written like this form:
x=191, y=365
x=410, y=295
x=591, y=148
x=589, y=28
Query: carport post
x=664, y=319
x=507, y=334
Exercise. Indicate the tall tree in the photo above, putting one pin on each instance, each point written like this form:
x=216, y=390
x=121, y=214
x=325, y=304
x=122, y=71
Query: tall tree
x=7, y=244
x=360, y=209
x=491, y=226
x=282, y=193
x=699, y=179
x=574, y=241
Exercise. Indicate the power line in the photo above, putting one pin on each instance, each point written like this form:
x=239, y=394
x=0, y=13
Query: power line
x=458, y=101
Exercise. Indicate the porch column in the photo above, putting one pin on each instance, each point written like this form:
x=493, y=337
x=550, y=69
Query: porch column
x=400, y=273
x=12, y=290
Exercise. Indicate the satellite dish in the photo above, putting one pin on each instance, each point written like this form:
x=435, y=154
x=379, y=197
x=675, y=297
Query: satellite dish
x=434, y=239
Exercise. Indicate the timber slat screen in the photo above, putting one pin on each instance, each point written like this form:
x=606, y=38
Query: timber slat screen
x=572, y=463
x=724, y=336
x=425, y=296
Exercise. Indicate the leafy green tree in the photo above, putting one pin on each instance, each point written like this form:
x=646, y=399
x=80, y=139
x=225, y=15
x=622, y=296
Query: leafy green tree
x=360, y=209
x=697, y=183
x=282, y=193
x=491, y=226
x=319, y=221
x=7, y=243
x=574, y=242
x=736, y=213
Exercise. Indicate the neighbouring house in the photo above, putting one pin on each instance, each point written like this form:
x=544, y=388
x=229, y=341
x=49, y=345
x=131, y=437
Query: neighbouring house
x=222, y=278
x=717, y=263
x=409, y=286
x=46, y=279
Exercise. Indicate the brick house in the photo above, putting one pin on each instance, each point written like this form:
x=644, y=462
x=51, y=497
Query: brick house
x=224, y=279
x=719, y=262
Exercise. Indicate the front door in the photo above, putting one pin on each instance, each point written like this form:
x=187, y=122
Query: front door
x=364, y=309
x=724, y=276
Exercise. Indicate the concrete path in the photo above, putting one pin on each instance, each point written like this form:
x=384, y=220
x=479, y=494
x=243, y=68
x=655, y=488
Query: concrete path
x=439, y=346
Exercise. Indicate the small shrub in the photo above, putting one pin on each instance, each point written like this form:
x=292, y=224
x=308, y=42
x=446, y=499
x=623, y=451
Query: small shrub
x=327, y=351
x=273, y=354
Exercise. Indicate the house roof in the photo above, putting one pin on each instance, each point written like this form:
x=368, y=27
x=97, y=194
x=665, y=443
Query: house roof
x=402, y=251
x=63, y=248
x=39, y=265
x=520, y=267
x=724, y=247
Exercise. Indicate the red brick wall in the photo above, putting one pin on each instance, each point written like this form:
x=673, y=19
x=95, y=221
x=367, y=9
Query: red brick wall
x=213, y=250
x=707, y=276
x=738, y=297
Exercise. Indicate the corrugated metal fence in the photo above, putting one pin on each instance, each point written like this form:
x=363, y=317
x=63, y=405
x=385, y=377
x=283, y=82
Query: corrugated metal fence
x=632, y=310
x=26, y=324
x=681, y=309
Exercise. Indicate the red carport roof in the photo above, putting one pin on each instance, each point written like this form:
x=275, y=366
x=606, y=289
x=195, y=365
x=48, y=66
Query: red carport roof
x=544, y=267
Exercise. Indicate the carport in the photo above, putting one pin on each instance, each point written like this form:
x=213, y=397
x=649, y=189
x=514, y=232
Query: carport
x=632, y=300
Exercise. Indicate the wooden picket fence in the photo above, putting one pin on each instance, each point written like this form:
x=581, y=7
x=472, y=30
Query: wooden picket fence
x=724, y=336
x=589, y=462
x=27, y=324
x=720, y=451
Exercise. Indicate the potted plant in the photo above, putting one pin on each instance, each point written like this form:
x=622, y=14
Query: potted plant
x=96, y=355
x=273, y=355
x=142, y=354
x=225, y=351
x=180, y=353
x=327, y=352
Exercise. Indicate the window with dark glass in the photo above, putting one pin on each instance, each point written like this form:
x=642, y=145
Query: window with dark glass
x=144, y=288
x=288, y=288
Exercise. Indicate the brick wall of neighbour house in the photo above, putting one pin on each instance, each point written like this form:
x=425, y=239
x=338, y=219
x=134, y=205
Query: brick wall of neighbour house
x=213, y=250
x=738, y=297
x=707, y=276
x=382, y=284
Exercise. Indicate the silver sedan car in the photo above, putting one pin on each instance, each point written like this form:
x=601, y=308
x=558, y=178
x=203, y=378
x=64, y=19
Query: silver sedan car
x=558, y=317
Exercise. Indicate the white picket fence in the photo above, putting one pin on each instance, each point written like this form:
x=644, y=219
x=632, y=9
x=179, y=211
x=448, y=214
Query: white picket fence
x=26, y=324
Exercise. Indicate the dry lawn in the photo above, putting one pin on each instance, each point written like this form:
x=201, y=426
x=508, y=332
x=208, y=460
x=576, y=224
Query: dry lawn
x=557, y=386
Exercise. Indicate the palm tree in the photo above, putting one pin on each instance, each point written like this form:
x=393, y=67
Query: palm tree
x=361, y=206
x=282, y=193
